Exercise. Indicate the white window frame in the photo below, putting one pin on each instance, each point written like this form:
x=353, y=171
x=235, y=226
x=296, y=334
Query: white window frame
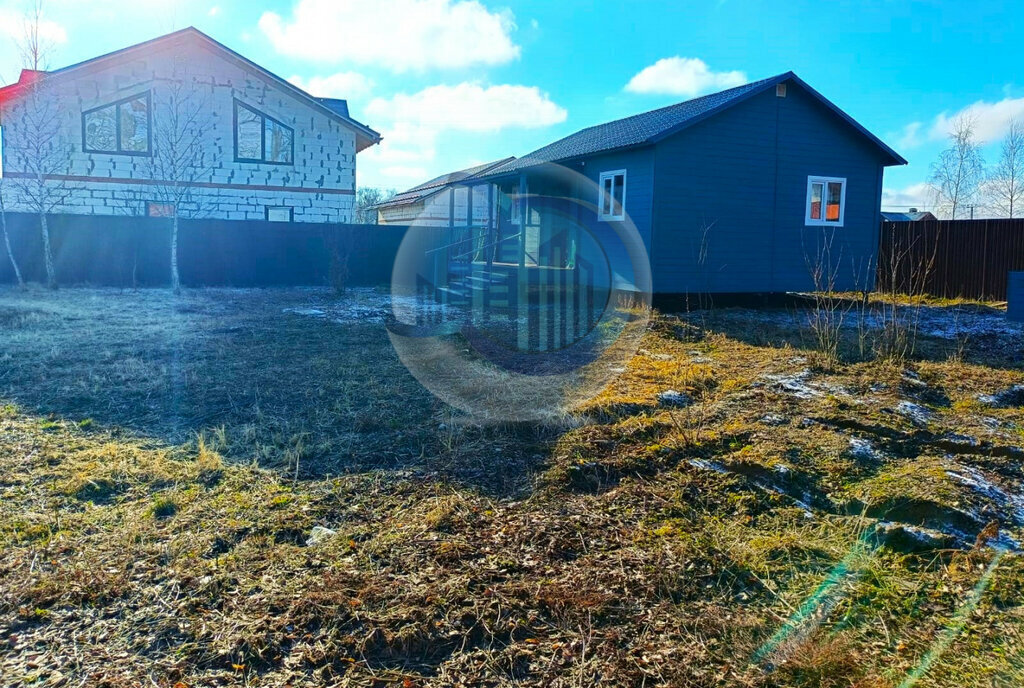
x=824, y=181
x=612, y=216
x=271, y=213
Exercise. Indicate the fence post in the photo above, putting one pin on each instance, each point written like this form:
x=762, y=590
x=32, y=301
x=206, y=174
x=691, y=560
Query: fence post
x=986, y=292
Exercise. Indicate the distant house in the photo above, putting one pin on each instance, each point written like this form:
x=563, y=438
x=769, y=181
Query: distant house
x=737, y=191
x=270, y=150
x=913, y=215
x=449, y=200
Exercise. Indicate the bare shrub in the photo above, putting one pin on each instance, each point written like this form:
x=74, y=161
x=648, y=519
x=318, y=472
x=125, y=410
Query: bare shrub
x=907, y=265
x=829, y=312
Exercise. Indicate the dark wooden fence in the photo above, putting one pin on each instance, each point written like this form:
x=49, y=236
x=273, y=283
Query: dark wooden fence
x=135, y=251
x=951, y=258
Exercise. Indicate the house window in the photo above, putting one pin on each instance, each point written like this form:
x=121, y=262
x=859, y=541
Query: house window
x=279, y=213
x=122, y=127
x=611, y=196
x=261, y=138
x=826, y=201
x=154, y=209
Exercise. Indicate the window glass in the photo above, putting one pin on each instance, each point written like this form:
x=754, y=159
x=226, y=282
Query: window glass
x=154, y=209
x=619, y=186
x=816, y=193
x=278, y=142
x=135, y=125
x=612, y=195
x=101, y=129
x=835, y=193
x=248, y=129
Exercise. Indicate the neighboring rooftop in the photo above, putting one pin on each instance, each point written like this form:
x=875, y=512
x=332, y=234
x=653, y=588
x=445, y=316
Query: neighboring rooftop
x=649, y=127
x=913, y=215
x=429, y=188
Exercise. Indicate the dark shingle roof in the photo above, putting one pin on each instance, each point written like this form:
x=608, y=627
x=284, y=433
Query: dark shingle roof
x=418, y=193
x=648, y=127
x=337, y=105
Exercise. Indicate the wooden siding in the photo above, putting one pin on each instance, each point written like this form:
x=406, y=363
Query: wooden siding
x=730, y=193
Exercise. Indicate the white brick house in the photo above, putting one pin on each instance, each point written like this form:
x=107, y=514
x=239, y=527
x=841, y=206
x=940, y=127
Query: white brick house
x=269, y=150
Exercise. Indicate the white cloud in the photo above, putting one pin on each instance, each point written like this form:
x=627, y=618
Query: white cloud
x=340, y=85
x=990, y=119
x=909, y=136
x=921, y=196
x=13, y=25
x=400, y=35
x=470, y=107
x=411, y=123
x=214, y=11
x=682, y=76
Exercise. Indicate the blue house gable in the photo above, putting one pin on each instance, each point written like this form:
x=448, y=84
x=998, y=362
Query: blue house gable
x=754, y=189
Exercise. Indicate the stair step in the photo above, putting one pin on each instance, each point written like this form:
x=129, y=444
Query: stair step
x=454, y=292
x=484, y=280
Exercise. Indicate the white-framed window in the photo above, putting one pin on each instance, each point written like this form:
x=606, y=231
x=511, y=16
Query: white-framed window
x=159, y=209
x=611, y=195
x=826, y=201
x=279, y=213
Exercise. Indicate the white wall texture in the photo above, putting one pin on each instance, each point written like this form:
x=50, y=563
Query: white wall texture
x=324, y=158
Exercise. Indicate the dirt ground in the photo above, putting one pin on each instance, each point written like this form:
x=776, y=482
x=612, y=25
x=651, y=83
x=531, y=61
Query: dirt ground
x=238, y=487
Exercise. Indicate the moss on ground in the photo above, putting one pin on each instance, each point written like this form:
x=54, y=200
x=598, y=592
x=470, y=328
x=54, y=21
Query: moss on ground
x=773, y=532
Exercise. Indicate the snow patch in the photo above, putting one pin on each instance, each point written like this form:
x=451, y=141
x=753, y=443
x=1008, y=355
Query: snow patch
x=977, y=481
x=1009, y=397
x=916, y=413
x=863, y=449
x=797, y=384
x=671, y=397
x=708, y=465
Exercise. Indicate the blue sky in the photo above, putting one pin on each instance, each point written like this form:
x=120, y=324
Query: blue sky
x=452, y=83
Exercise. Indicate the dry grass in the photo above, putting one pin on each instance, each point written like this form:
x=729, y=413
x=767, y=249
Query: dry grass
x=162, y=543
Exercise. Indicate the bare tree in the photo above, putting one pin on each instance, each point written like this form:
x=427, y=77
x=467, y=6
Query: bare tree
x=366, y=198
x=958, y=173
x=37, y=149
x=34, y=47
x=181, y=117
x=7, y=238
x=1005, y=187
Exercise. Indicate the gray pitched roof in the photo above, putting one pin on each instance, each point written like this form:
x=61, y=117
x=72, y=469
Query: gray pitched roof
x=648, y=127
x=429, y=188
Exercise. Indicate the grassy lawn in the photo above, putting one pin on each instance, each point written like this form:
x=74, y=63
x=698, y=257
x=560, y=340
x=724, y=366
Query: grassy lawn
x=167, y=466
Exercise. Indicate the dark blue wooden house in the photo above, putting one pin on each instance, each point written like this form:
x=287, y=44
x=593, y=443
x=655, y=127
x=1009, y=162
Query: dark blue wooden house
x=746, y=190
